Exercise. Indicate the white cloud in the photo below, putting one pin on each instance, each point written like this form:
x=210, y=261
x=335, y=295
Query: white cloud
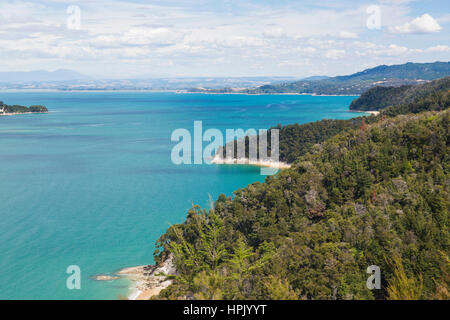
x=422, y=24
x=136, y=37
x=276, y=32
x=294, y=64
x=335, y=54
x=347, y=35
x=223, y=37
x=372, y=50
x=439, y=48
x=148, y=36
x=396, y=50
x=273, y=38
x=305, y=50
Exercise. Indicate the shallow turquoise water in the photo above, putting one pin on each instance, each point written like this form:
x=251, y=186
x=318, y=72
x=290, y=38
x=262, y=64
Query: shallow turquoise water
x=92, y=184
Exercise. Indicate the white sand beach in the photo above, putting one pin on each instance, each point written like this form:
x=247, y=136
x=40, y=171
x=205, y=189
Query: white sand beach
x=149, y=280
x=375, y=113
x=19, y=113
x=245, y=161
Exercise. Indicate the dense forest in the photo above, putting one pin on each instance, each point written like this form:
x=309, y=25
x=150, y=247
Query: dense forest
x=295, y=140
x=4, y=108
x=381, y=97
x=374, y=193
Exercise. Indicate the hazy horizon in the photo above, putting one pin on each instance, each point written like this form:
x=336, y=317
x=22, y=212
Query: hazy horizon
x=150, y=77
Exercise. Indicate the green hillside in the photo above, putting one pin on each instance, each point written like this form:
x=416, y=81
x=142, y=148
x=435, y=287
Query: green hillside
x=377, y=194
x=297, y=139
x=394, y=76
x=412, y=71
x=381, y=97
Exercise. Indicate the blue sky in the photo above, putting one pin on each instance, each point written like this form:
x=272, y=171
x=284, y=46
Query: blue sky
x=123, y=39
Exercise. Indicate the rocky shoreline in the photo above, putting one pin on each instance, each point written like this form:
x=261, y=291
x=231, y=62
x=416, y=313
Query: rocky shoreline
x=149, y=280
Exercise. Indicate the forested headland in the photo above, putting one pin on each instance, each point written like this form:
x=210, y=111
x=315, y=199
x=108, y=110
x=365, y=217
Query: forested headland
x=361, y=192
x=381, y=97
x=17, y=109
x=297, y=139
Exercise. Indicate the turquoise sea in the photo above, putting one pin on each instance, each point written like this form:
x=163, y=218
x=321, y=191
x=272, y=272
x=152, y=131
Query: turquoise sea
x=92, y=183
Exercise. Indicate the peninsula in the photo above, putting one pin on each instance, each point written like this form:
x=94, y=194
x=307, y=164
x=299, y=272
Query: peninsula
x=9, y=110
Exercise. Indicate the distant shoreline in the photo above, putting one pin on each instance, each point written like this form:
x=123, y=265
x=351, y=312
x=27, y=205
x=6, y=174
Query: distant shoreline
x=19, y=113
x=277, y=94
x=184, y=91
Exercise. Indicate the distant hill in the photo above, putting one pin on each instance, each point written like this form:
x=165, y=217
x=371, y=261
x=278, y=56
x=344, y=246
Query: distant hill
x=315, y=78
x=357, y=83
x=381, y=97
x=410, y=71
x=41, y=75
x=71, y=80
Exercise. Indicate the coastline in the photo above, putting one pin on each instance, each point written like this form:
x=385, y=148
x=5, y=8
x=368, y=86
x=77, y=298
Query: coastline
x=245, y=161
x=149, y=280
x=19, y=113
x=268, y=163
x=181, y=91
x=275, y=94
x=374, y=113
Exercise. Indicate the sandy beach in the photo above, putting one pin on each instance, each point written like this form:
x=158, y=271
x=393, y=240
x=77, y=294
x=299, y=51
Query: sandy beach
x=149, y=280
x=375, y=113
x=19, y=113
x=245, y=161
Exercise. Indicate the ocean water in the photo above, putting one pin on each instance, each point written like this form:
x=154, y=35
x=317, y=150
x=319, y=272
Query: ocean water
x=92, y=183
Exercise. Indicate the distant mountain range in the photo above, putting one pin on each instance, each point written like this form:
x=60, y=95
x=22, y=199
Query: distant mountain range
x=357, y=83
x=410, y=71
x=72, y=80
x=315, y=78
x=353, y=84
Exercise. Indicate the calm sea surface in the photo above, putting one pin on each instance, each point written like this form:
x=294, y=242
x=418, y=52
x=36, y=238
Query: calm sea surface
x=92, y=183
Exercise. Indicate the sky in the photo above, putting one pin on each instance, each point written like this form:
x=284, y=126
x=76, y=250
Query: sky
x=220, y=38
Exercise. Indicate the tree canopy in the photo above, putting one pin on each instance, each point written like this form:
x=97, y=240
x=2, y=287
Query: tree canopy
x=365, y=193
